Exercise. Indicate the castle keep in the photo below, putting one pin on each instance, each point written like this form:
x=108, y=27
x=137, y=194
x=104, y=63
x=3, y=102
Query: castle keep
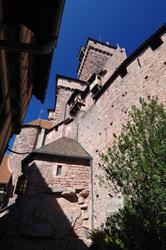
x=61, y=165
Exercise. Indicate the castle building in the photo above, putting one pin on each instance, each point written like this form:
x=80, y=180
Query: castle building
x=61, y=156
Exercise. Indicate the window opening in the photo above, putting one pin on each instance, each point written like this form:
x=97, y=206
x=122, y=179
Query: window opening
x=59, y=170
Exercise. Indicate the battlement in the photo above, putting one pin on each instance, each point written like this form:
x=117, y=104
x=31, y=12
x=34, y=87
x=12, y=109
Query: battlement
x=69, y=83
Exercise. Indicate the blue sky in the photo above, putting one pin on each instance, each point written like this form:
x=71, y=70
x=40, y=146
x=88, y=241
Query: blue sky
x=126, y=22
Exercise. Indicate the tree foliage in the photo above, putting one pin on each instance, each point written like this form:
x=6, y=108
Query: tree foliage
x=136, y=164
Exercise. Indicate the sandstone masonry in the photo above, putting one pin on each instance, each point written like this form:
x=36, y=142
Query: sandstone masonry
x=94, y=107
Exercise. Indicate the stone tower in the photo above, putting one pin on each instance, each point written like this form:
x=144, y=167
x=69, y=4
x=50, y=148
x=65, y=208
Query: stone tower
x=64, y=89
x=97, y=57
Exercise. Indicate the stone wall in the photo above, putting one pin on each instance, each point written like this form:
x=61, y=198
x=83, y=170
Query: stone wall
x=146, y=77
x=75, y=177
x=68, y=191
x=54, y=134
x=113, y=63
x=24, y=144
x=39, y=223
x=60, y=112
x=71, y=83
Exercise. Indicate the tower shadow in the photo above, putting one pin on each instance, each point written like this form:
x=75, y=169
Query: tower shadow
x=36, y=220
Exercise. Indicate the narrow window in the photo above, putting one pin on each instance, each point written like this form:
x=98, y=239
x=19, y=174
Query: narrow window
x=59, y=170
x=138, y=60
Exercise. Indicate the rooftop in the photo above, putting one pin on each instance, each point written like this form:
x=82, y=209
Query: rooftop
x=64, y=150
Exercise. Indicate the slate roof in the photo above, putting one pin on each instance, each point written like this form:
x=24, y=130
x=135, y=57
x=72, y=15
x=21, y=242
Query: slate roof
x=63, y=150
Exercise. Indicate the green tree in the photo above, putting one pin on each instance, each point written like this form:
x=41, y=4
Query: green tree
x=136, y=164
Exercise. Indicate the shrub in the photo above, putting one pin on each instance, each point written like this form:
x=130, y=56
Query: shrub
x=136, y=165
